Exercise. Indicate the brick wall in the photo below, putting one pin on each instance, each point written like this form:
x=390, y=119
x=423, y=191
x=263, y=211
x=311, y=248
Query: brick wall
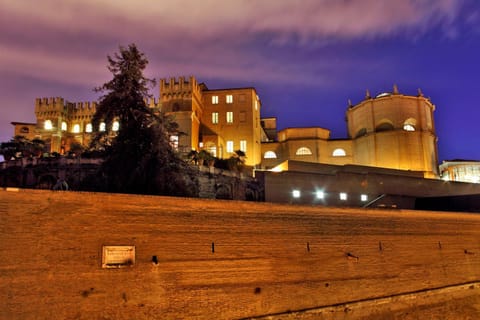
x=229, y=260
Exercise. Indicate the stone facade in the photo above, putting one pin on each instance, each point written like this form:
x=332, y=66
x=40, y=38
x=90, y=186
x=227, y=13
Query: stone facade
x=390, y=130
x=212, y=259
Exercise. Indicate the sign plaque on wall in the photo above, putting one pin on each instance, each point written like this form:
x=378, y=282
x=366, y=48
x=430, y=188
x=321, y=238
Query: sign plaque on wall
x=118, y=256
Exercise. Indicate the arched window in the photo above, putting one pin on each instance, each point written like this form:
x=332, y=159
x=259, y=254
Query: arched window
x=115, y=126
x=303, y=151
x=409, y=124
x=48, y=125
x=88, y=127
x=64, y=126
x=76, y=128
x=270, y=155
x=102, y=126
x=386, y=126
x=339, y=152
x=361, y=133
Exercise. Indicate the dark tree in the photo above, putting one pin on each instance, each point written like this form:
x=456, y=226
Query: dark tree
x=19, y=147
x=138, y=155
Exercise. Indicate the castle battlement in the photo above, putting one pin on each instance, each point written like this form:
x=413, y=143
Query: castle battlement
x=180, y=85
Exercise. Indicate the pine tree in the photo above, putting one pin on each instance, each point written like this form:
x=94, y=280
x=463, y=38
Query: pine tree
x=138, y=155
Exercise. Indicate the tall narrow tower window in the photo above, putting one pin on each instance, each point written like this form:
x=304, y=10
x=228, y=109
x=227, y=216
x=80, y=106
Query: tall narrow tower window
x=64, y=126
x=229, y=116
x=115, y=126
x=214, y=117
x=48, y=125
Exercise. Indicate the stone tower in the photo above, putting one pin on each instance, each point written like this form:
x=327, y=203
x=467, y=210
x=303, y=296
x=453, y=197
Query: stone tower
x=395, y=131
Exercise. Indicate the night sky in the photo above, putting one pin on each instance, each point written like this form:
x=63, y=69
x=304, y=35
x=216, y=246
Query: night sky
x=305, y=58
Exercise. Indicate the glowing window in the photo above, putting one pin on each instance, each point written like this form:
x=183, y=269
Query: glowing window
x=408, y=127
x=363, y=197
x=303, y=151
x=48, y=125
x=320, y=194
x=229, y=98
x=296, y=193
x=214, y=99
x=88, y=127
x=229, y=116
x=102, y=126
x=174, y=142
x=229, y=146
x=76, y=128
x=270, y=155
x=343, y=196
x=243, y=145
x=256, y=105
x=339, y=153
x=115, y=126
x=214, y=117
x=64, y=126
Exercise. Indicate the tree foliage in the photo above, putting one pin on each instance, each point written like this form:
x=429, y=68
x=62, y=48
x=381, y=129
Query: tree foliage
x=138, y=157
x=20, y=147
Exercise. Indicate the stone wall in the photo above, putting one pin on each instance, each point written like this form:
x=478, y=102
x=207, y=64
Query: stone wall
x=230, y=259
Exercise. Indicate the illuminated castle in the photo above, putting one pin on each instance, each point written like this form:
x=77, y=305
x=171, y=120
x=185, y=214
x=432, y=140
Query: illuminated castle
x=390, y=130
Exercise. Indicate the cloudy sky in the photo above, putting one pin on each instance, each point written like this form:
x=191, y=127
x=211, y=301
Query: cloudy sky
x=305, y=58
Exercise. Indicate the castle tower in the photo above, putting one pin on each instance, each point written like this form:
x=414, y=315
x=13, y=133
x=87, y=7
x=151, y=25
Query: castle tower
x=61, y=123
x=182, y=99
x=395, y=131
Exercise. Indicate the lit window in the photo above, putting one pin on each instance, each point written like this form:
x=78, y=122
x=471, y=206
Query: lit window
x=200, y=144
x=48, y=125
x=174, y=142
x=214, y=117
x=115, y=126
x=339, y=153
x=214, y=99
x=256, y=105
x=229, y=116
x=229, y=98
x=230, y=146
x=64, y=126
x=76, y=128
x=243, y=145
x=88, y=127
x=296, y=193
x=409, y=124
x=102, y=126
x=303, y=151
x=270, y=155
x=343, y=196
x=363, y=197
x=320, y=194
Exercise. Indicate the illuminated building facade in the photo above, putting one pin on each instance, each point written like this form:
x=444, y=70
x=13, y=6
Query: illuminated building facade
x=461, y=171
x=390, y=130
x=220, y=121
